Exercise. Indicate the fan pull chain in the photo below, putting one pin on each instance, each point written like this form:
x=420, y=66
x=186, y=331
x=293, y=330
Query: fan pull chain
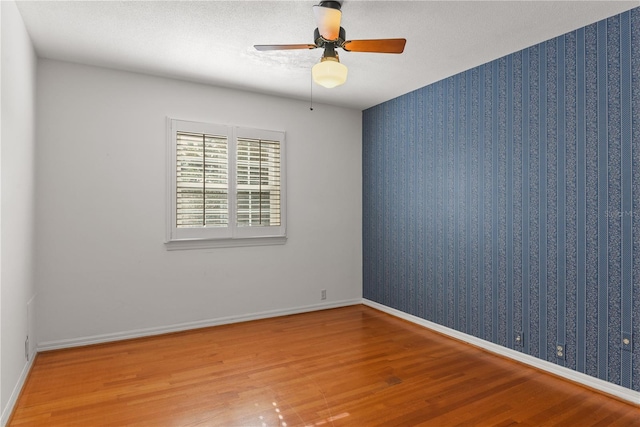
x=311, y=91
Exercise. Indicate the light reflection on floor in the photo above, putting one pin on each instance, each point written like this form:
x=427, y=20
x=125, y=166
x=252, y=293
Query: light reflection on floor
x=275, y=417
x=330, y=419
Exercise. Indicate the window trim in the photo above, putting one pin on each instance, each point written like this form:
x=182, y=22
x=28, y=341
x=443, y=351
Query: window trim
x=232, y=235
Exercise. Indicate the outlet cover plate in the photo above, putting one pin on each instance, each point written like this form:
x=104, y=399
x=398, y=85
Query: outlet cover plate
x=627, y=343
x=561, y=351
x=518, y=338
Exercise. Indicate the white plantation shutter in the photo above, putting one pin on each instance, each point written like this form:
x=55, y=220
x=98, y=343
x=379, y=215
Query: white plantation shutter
x=226, y=183
x=201, y=180
x=258, y=182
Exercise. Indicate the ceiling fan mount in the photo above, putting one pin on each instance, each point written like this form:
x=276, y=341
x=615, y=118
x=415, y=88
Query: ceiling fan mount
x=329, y=35
x=331, y=4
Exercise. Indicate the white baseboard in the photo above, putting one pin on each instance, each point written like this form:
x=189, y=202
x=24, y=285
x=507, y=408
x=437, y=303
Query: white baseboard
x=569, y=374
x=139, y=333
x=6, y=413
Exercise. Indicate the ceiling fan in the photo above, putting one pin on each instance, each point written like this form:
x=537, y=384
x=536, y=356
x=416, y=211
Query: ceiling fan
x=329, y=35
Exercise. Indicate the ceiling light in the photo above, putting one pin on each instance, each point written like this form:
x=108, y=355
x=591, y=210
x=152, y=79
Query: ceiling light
x=329, y=72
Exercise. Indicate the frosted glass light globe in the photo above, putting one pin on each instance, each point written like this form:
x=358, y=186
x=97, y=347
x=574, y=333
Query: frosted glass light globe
x=329, y=72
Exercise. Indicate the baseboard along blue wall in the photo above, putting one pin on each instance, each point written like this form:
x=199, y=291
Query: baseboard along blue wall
x=504, y=201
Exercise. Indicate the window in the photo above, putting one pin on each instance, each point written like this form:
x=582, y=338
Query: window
x=227, y=186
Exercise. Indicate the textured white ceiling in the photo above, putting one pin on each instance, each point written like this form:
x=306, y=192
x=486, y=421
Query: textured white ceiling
x=212, y=42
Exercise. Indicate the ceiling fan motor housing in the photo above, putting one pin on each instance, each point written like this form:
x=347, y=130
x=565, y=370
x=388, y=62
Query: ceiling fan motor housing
x=322, y=42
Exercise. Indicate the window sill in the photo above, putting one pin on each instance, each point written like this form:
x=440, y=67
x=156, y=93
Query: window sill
x=185, y=244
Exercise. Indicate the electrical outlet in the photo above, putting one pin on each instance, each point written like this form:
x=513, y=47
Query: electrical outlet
x=627, y=344
x=560, y=353
x=518, y=338
x=323, y=294
x=26, y=348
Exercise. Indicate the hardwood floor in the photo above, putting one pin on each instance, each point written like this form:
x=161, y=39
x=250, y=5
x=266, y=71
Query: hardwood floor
x=352, y=366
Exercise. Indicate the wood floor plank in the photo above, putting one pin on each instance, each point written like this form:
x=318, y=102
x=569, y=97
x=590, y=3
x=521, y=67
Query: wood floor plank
x=352, y=366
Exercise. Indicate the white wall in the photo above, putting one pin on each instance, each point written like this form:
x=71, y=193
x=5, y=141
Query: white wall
x=17, y=200
x=102, y=267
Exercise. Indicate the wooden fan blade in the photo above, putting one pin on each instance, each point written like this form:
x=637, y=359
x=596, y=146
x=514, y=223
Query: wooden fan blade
x=266, y=47
x=377, y=46
x=328, y=21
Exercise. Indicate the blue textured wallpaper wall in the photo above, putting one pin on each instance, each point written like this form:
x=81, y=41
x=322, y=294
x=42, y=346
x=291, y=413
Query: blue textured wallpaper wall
x=505, y=200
